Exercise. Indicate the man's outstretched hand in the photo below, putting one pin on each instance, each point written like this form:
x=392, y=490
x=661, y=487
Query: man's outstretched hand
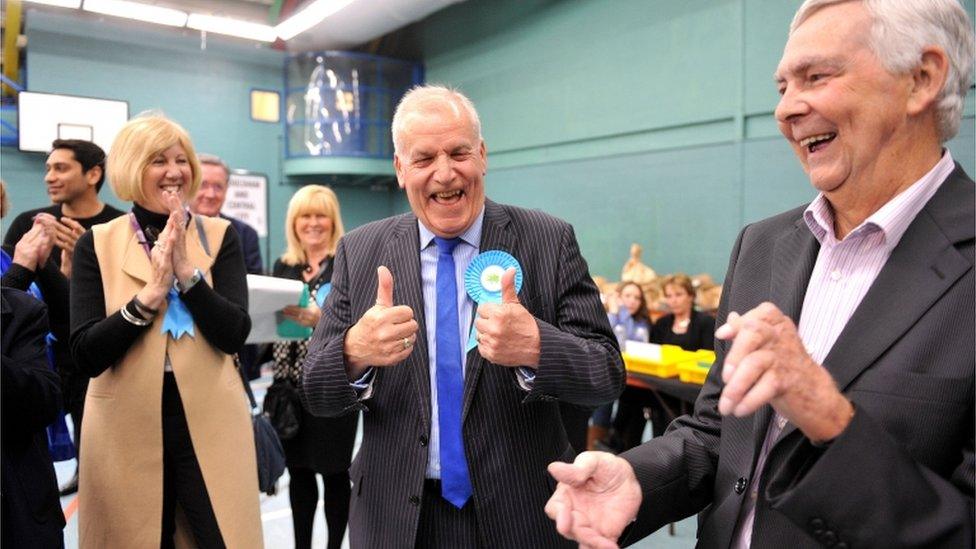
x=596, y=498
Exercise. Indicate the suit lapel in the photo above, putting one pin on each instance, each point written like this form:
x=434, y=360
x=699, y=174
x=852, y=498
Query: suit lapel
x=495, y=235
x=795, y=254
x=403, y=260
x=926, y=262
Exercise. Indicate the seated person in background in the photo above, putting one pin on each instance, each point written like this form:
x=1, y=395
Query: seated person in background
x=684, y=327
x=628, y=317
x=32, y=514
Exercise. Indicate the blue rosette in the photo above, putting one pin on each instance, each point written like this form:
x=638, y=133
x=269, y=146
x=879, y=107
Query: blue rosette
x=483, y=278
x=178, y=320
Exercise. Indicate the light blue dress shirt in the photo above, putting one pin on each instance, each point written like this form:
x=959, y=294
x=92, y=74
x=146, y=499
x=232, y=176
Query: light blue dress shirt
x=464, y=253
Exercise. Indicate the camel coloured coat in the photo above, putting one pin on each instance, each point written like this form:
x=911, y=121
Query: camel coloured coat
x=121, y=477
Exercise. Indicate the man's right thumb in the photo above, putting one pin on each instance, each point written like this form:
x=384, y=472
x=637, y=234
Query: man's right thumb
x=384, y=287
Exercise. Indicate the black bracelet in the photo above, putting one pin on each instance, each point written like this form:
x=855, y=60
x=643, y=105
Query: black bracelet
x=143, y=308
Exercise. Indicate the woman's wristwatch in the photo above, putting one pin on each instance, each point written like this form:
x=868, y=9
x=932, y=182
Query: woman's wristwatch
x=183, y=288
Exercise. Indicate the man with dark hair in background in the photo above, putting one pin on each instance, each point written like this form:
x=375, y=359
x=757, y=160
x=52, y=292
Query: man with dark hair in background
x=75, y=172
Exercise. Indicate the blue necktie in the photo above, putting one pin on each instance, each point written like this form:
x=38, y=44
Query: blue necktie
x=455, y=482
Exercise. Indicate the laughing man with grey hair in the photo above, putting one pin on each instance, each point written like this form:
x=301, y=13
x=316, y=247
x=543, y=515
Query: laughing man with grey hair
x=839, y=411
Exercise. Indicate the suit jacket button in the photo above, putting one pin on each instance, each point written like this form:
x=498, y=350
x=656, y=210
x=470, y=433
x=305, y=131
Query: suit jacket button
x=740, y=485
x=840, y=545
x=414, y=500
x=816, y=524
x=423, y=440
x=829, y=538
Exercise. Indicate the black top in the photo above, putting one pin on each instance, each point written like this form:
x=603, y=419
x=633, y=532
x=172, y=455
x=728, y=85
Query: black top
x=53, y=286
x=700, y=333
x=290, y=355
x=23, y=223
x=219, y=313
x=250, y=244
x=323, y=444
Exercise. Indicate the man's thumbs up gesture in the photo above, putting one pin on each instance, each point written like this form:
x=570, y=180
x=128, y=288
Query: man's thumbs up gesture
x=384, y=336
x=507, y=332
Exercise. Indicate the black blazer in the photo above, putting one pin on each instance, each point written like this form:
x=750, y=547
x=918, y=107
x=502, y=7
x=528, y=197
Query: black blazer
x=901, y=474
x=32, y=515
x=250, y=245
x=510, y=435
x=700, y=334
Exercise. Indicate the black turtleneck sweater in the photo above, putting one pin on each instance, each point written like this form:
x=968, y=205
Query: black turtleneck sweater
x=219, y=313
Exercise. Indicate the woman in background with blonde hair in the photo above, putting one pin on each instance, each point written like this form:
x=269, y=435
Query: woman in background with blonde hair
x=158, y=306
x=323, y=446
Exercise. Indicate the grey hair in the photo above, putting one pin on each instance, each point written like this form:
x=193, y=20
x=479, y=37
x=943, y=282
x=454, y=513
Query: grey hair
x=214, y=160
x=899, y=32
x=426, y=98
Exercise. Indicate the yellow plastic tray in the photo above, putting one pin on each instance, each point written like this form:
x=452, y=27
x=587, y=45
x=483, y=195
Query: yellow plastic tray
x=705, y=356
x=644, y=366
x=692, y=372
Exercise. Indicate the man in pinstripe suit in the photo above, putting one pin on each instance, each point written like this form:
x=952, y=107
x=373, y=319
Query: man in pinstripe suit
x=840, y=410
x=374, y=349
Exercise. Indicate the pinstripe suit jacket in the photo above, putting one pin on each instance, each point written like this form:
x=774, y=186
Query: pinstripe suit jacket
x=510, y=435
x=901, y=474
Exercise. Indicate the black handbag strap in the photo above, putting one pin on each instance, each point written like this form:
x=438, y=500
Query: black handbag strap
x=202, y=235
x=247, y=386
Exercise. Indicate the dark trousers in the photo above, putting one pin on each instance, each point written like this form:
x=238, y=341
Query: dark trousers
x=576, y=420
x=303, y=492
x=182, y=480
x=74, y=385
x=444, y=525
x=628, y=424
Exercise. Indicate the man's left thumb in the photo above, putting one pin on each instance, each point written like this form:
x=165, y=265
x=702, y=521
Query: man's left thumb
x=508, y=286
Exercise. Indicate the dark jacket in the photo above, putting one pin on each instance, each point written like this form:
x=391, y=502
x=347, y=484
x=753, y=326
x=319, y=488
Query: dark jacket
x=510, y=434
x=901, y=474
x=32, y=515
x=250, y=245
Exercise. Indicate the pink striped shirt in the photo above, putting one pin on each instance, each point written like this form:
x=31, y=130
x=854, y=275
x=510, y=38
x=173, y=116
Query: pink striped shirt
x=844, y=271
